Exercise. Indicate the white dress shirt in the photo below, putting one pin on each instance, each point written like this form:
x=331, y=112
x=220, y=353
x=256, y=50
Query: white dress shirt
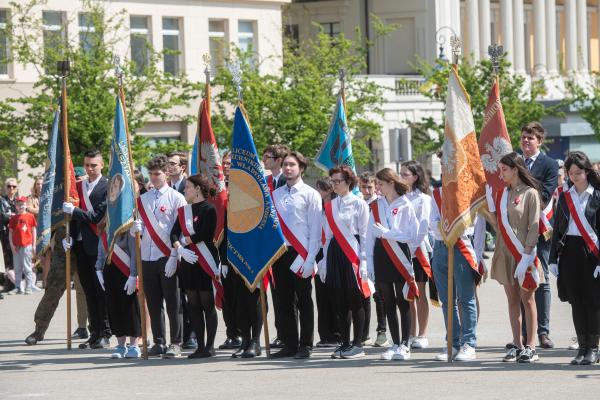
x=89, y=186
x=163, y=203
x=583, y=199
x=400, y=219
x=422, y=206
x=300, y=208
x=354, y=213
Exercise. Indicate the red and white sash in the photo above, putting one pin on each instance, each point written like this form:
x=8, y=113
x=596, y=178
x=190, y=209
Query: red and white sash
x=516, y=248
x=583, y=226
x=423, y=257
x=402, y=264
x=85, y=203
x=348, y=243
x=121, y=260
x=205, y=259
x=545, y=216
x=270, y=184
x=294, y=240
x=159, y=237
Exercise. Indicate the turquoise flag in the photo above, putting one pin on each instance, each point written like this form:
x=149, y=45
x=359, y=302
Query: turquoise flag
x=255, y=240
x=194, y=160
x=120, y=196
x=337, y=148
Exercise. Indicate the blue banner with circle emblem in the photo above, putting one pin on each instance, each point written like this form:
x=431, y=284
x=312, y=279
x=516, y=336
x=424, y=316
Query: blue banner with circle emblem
x=120, y=196
x=254, y=237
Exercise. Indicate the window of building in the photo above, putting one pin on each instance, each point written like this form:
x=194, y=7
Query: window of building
x=4, y=47
x=54, y=38
x=332, y=29
x=292, y=34
x=139, y=29
x=88, y=37
x=171, y=45
x=246, y=39
x=217, y=43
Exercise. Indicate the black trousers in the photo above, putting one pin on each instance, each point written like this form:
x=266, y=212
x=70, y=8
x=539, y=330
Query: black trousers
x=95, y=297
x=379, y=309
x=277, y=309
x=204, y=316
x=159, y=288
x=367, y=309
x=123, y=309
x=392, y=294
x=328, y=324
x=349, y=306
x=586, y=319
x=248, y=314
x=290, y=289
x=230, y=289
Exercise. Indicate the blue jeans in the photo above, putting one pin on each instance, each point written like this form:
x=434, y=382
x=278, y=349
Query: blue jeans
x=465, y=329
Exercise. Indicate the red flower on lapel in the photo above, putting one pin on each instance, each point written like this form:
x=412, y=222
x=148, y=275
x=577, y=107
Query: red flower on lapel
x=163, y=208
x=395, y=211
x=195, y=219
x=517, y=199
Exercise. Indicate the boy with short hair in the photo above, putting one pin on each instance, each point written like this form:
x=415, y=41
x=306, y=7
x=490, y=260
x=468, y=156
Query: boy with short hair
x=22, y=232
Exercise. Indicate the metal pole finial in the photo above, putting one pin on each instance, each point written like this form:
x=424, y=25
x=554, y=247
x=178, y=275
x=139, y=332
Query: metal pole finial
x=118, y=69
x=455, y=44
x=206, y=59
x=495, y=52
x=236, y=72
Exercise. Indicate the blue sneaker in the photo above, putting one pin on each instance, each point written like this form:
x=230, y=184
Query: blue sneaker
x=133, y=351
x=120, y=352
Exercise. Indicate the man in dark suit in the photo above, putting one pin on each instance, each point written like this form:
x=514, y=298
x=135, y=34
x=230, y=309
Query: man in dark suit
x=545, y=171
x=91, y=210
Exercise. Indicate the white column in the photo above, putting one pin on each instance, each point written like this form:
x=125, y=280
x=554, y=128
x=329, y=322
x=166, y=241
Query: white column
x=506, y=15
x=519, y=36
x=473, y=30
x=484, y=30
x=539, y=38
x=582, y=36
x=571, y=35
x=552, y=49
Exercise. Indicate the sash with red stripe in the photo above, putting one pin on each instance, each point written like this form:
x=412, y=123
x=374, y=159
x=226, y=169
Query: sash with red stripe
x=159, y=238
x=270, y=184
x=587, y=232
x=402, y=264
x=293, y=240
x=348, y=244
x=86, y=204
x=545, y=227
x=513, y=244
x=121, y=260
x=205, y=259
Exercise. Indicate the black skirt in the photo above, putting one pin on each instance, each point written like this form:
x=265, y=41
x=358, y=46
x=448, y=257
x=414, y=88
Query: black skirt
x=576, y=282
x=340, y=274
x=193, y=277
x=123, y=310
x=385, y=271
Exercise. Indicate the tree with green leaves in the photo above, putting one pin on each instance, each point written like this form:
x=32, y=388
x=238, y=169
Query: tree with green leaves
x=150, y=92
x=586, y=99
x=519, y=100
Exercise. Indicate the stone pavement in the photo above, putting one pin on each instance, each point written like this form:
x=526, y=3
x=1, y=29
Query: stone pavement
x=50, y=371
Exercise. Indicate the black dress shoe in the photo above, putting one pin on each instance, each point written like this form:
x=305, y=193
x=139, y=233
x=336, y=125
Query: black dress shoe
x=80, y=333
x=88, y=343
x=236, y=342
x=303, y=353
x=284, y=353
x=157, y=350
x=545, y=342
x=253, y=349
x=101, y=343
x=277, y=344
x=201, y=353
x=32, y=339
x=226, y=344
x=190, y=344
x=242, y=349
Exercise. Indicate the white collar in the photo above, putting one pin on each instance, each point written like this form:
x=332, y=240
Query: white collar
x=176, y=184
x=533, y=157
x=296, y=187
x=589, y=190
x=276, y=177
x=93, y=183
x=163, y=189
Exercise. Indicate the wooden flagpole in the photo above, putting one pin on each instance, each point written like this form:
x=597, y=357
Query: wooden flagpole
x=63, y=69
x=343, y=90
x=138, y=241
x=263, y=309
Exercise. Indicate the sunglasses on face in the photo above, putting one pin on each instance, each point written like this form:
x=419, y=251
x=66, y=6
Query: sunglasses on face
x=11, y=186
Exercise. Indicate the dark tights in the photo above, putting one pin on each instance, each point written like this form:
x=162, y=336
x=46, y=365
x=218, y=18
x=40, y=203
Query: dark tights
x=201, y=304
x=348, y=304
x=586, y=319
x=392, y=298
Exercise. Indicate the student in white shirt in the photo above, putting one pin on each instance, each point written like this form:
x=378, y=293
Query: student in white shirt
x=395, y=211
x=299, y=210
x=159, y=259
x=345, y=269
x=413, y=175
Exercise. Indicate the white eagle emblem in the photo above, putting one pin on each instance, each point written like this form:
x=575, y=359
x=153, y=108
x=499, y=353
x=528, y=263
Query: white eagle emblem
x=494, y=152
x=210, y=164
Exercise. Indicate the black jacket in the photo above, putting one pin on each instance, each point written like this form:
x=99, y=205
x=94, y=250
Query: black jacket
x=545, y=171
x=82, y=219
x=561, y=222
x=181, y=186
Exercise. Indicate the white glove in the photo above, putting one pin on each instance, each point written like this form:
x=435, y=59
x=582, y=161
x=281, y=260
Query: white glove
x=224, y=270
x=307, y=269
x=553, y=268
x=100, y=279
x=379, y=230
x=363, y=270
x=597, y=272
x=523, y=265
x=322, y=270
x=187, y=254
x=489, y=198
x=171, y=266
x=137, y=226
x=130, y=285
x=68, y=208
x=371, y=271
x=67, y=243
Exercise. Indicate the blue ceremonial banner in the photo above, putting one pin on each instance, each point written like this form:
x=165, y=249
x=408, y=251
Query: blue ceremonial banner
x=337, y=148
x=194, y=160
x=120, y=196
x=254, y=238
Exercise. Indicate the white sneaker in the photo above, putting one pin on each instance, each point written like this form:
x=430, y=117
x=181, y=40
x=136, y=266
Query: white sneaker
x=403, y=353
x=443, y=355
x=419, y=342
x=34, y=289
x=574, y=344
x=466, y=353
x=353, y=352
x=389, y=353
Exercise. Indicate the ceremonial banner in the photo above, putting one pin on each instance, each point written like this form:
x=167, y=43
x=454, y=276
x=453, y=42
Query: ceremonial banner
x=50, y=214
x=194, y=158
x=494, y=142
x=120, y=197
x=337, y=148
x=463, y=178
x=254, y=237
